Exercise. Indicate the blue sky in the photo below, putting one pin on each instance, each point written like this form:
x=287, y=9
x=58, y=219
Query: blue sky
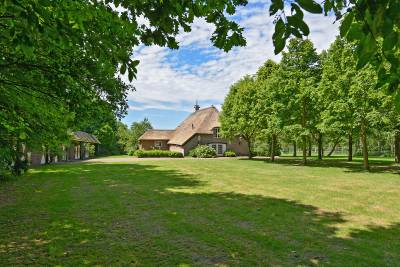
x=170, y=81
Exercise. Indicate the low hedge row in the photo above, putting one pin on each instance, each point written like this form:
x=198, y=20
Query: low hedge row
x=229, y=153
x=158, y=154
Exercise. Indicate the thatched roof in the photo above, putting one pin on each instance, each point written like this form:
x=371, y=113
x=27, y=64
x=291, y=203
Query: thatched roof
x=199, y=122
x=157, y=135
x=85, y=137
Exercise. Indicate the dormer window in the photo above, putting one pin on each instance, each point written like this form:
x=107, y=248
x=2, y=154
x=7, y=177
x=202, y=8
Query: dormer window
x=216, y=132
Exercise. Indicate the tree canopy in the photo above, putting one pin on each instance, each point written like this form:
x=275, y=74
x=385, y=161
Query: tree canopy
x=308, y=98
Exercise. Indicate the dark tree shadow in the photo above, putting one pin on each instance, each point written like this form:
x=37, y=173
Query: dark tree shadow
x=136, y=214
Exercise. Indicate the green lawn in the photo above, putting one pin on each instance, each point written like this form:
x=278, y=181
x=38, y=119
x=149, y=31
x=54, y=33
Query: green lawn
x=190, y=212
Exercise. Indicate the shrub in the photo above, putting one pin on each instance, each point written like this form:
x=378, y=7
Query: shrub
x=229, y=153
x=158, y=154
x=131, y=153
x=203, y=151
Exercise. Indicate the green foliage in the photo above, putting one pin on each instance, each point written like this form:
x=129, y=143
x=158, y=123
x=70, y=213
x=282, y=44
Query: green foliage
x=373, y=26
x=137, y=130
x=239, y=110
x=123, y=137
x=60, y=60
x=307, y=98
x=158, y=154
x=203, y=151
x=229, y=153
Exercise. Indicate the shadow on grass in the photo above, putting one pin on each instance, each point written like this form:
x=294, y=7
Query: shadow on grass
x=376, y=165
x=136, y=214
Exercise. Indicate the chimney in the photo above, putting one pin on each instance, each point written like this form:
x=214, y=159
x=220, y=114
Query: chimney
x=196, y=107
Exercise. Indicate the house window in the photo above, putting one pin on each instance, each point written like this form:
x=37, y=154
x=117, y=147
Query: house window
x=216, y=132
x=219, y=148
x=157, y=144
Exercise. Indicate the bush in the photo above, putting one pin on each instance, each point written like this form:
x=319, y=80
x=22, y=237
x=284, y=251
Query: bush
x=131, y=153
x=158, y=154
x=203, y=151
x=229, y=153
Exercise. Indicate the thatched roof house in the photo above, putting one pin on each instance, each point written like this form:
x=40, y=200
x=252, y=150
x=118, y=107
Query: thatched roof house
x=201, y=127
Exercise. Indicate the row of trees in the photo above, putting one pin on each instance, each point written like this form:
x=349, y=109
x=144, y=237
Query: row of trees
x=310, y=98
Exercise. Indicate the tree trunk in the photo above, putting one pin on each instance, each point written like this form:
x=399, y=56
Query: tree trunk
x=304, y=150
x=17, y=161
x=334, y=146
x=46, y=155
x=273, y=144
x=320, y=152
x=350, y=153
x=249, y=146
x=294, y=149
x=397, y=147
x=364, y=145
x=309, y=147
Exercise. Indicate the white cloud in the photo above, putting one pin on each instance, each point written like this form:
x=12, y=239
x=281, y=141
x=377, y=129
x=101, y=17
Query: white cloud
x=168, y=81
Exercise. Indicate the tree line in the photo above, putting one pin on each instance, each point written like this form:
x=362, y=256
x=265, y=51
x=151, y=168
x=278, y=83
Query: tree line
x=309, y=99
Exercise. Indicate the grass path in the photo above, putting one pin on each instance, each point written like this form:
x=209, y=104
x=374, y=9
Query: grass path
x=201, y=213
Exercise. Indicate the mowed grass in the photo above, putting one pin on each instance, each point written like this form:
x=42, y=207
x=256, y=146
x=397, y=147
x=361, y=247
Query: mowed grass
x=228, y=212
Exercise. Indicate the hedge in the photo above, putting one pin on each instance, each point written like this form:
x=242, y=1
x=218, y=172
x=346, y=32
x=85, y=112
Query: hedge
x=158, y=154
x=229, y=153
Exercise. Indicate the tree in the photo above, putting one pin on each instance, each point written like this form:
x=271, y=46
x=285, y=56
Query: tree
x=339, y=69
x=137, y=130
x=353, y=104
x=270, y=104
x=301, y=72
x=238, y=116
x=123, y=135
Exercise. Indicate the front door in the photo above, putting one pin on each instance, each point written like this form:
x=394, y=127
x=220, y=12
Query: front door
x=219, y=148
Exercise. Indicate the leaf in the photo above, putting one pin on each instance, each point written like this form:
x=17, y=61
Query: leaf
x=346, y=23
x=131, y=75
x=122, y=70
x=390, y=41
x=298, y=23
x=22, y=136
x=365, y=50
x=310, y=6
x=275, y=6
x=277, y=38
x=134, y=63
x=355, y=32
x=299, y=12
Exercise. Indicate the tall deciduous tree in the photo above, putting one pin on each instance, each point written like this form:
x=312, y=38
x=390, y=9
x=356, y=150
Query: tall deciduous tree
x=270, y=104
x=239, y=112
x=339, y=70
x=301, y=72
